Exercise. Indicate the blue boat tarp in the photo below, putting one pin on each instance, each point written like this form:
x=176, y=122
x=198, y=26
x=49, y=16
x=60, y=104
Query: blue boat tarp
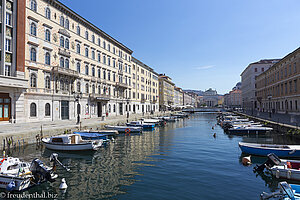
x=90, y=134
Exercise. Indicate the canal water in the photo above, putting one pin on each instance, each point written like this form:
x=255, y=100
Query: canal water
x=179, y=161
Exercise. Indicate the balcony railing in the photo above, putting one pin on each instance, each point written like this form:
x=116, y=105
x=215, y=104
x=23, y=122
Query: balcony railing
x=65, y=71
x=64, y=52
x=100, y=96
x=118, y=84
x=39, y=90
x=120, y=72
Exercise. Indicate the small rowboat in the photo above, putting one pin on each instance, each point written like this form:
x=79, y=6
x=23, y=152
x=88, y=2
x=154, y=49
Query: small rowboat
x=141, y=124
x=265, y=149
x=286, y=192
x=124, y=129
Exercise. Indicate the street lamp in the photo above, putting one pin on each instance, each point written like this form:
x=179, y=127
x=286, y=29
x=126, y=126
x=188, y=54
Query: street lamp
x=78, y=96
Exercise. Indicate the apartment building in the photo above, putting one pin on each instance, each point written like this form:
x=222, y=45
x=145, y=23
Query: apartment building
x=12, y=81
x=73, y=67
x=178, y=97
x=145, y=88
x=166, y=92
x=248, y=81
x=277, y=88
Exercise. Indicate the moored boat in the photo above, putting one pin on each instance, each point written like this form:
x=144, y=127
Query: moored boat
x=249, y=129
x=265, y=149
x=71, y=142
x=286, y=192
x=141, y=124
x=124, y=129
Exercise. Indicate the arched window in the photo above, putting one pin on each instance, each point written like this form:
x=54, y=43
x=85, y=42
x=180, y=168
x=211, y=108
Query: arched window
x=93, y=71
x=93, y=89
x=86, y=35
x=62, y=84
x=93, y=38
x=62, y=41
x=33, y=5
x=78, y=48
x=47, y=58
x=48, y=13
x=33, y=80
x=108, y=47
x=78, y=67
x=67, y=63
x=33, y=54
x=32, y=110
x=99, y=57
x=67, y=43
x=47, y=109
x=78, y=30
x=67, y=25
x=99, y=41
x=47, y=35
x=99, y=89
x=114, y=107
x=78, y=87
x=86, y=70
x=99, y=73
x=86, y=52
x=47, y=82
x=62, y=21
x=93, y=55
x=62, y=62
x=87, y=88
x=104, y=44
x=33, y=29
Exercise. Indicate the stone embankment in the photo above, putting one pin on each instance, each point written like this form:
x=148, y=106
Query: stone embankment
x=20, y=134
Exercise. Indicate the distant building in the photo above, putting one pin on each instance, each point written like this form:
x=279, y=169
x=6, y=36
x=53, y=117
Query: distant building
x=190, y=99
x=210, y=97
x=248, y=81
x=166, y=92
x=178, y=97
x=233, y=99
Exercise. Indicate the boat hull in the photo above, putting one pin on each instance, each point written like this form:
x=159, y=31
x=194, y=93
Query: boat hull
x=264, y=151
x=247, y=131
x=74, y=147
x=21, y=183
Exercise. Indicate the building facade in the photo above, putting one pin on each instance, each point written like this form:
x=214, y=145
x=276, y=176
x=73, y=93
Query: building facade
x=12, y=80
x=249, y=101
x=72, y=67
x=178, y=97
x=166, y=92
x=277, y=88
x=145, y=88
x=210, y=97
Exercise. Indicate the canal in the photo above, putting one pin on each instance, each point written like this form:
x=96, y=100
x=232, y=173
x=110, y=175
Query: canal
x=179, y=161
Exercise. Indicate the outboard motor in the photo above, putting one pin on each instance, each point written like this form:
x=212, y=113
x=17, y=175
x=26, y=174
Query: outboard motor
x=40, y=172
x=270, y=162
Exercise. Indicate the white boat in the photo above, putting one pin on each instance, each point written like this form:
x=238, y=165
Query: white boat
x=16, y=175
x=141, y=124
x=151, y=121
x=124, y=129
x=249, y=129
x=71, y=142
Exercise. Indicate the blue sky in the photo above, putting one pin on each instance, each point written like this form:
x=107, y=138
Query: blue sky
x=199, y=44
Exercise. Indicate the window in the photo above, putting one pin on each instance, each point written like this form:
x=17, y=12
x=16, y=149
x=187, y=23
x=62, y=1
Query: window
x=47, y=58
x=47, y=82
x=93, y=71
x=62, y=62
x=62, y=21
x=255, y=69
x=67, y=24
x=7, y=44
x=8, y=19
x=86, y=52
x=33, y=5
x=32, y=110
x=114, y=50
x=33, y=54
x=47, y=109
x=93, y=89
x=67, y=63
x=78, y=48
x=108, y=61
x=7, y=70
x=104, y=59
x=62, y=84
x=62, y=41
x=78, y=87
x=86, y=35
x=99, y=41
x=48, y=13
x=108, y=75
x=86, y=70
x=108, y=47
x=87, y=88
x=99, y=73
x=99, y=57
x=33, y=80
x=104, y=45
x=47, y=35
x=93, y=54
x=67, y=43
x=78, y=30
x=295, y=85
x=99, y=89
x=78, y=67
x=33, y=29
x=93, y=38
x=104, y=74
x=114, y=107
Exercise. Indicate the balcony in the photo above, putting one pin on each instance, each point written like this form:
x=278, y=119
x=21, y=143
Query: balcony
x=99, y=97
x=153, y=101
x=64, y=52
x=120, y=72
x=65, y=71
x=143, y=100
x=121, y=85
x=39, y=90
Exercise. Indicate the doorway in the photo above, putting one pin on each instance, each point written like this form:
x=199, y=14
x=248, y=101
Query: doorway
x=5, y=107
x=99, y=107
x=64, y=109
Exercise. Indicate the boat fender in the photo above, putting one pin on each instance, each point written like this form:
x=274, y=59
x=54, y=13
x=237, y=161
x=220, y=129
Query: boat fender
x=289, y=174
x=63, y=185
x=165, y=122
x=11, y=186
x=288, y=164
x=277, y=173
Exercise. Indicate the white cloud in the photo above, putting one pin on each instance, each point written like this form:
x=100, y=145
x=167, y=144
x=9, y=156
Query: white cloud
x=204, y=67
